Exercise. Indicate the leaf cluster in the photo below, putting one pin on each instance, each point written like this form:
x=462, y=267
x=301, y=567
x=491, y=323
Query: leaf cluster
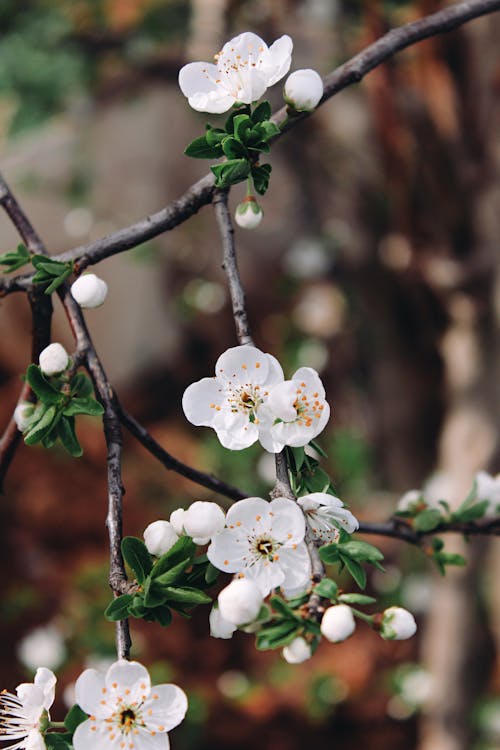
x=245, y=135
x=15, y=259
x=60, y=400
x=176, y=581
x=306, y=474
x=285, y=622
x=50, y=272
x=350, y=554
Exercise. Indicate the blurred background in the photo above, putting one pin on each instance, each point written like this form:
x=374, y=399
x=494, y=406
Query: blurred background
x=376, y=263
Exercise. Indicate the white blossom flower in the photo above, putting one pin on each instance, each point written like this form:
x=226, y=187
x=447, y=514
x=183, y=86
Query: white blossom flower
x=24, y=716
x=397, y=624
x=125, y=710
x=42, y=647
x=231, y=402
x=295, y=412
x=22, y=415
x=410, y=501
x=488, y=488
x=263, y=542
x=338, y=623
x=240, y=602
x=53, y=359
x=303, y=90
x=248, y=214
x=89, y=290
x=177, y=520
x=297, y=651
x=159, y=537
x=203, y=520
x=219, y=626
x=244, y=69
x=325, y=515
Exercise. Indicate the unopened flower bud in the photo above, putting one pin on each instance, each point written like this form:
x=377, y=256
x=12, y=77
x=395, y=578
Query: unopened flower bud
x=53, y=359
x=219, y=627
x=397, y=624
x=248, y=213
x=303, y=90
x=297, y=651
x=409, y=502
x=338, y=623
x=203, y=520
x=177, y=520
x=22, y=415
x=240, y=602
x=89, y=290
x=159, y=537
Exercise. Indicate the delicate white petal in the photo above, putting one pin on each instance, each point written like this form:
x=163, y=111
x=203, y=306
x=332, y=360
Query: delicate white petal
x=177, y=520
x=159, y=537
x=297, y=652
x=89, y=692
x=242, y=364
x=198, y=77
x=143, y=740
x=128, y=678
x=266, y=575
x=198, y=399
x=338, y=623
x=228, y=552
x=282, y=399
x=214, y=102
x=235, y=431
x=311, y=379
x=86, y=738
x=240, y=602
x=288, y=521
x=46, y=680
x=168, y=704
x=296, y=566
x=269, y=441
x=279, y=59
x=251, y=514
x=275, y=373
x=204, y=520
x=219, y=626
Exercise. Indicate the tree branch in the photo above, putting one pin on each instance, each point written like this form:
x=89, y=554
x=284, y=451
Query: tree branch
x=398, y=528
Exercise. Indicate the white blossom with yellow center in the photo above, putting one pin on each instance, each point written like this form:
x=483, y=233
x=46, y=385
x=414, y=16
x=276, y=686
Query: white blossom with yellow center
x=264, y=542
x=126, y=712
x=232, y=401
x=22, y=715
x=244, y=69
x=326, y=515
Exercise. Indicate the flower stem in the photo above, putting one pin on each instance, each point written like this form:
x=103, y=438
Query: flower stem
x=362, y=616
x=57, y=725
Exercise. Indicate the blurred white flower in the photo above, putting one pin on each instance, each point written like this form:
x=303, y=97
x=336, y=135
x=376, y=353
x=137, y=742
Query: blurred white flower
x=22, y=414
x=409, y=502
x=297, y=651
x=42, y=647
x=488, y=488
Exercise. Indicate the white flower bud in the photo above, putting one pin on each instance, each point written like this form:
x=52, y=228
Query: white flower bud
x=42, y=647
x=22, y=415
x=409, y=501
x=53, y=359
x=297, y=651
x=303, y=90
x=159, y=537
x=397, y=624
x=219, y=627
x=89, y=290
x=203, y=520
x=248, y=213
x=177, y=520
x=240, y=602
x=338, y=623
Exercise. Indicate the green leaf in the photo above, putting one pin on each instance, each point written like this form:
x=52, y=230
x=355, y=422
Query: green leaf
x=355, y=570
x=233, y=149
x=81, y=385
x=58, y=281
x=450, y=558
x=427, y=520
x=154, y=595
x=231, y=172
x=243, y=110
x=58, y=740
x=277, y=636
x=211, y=574
x=214, y=136
x=83, y=406
x=327, y=588
x=200, y=149
x=41, y=386
x=317, y=447
x=50, y=267
x=186, y=596
x=136, y=555
x=471, y=512
x=67, y=436
x=356, y=599
x=163, y=615
x=74, y=718
x=361, y=551
x=329, y=553
x=298, y=455
x=317, y=482
x=242, y=124
x=266, y=130
x=260, y=176
x=119, y=608
x=282, y=607
x=261, y=112
x=182, y=549
x=43, y=426
x=171, y=575
x=15, y=259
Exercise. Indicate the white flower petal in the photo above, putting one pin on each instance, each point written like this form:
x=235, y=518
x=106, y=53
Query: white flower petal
x=311, y=379
x=227, y=552
x=279, y=59
x=214, y=102
x=46, y=680
x=266, y=575
x=198, y=78
x=85, y=737
x=219, y=626
x=198, y=399
x=128, y=679
x=282, y=399
x=288, y=522
x=242, y=364
x=235, y=431
x=89, y=692
x=296, y=566
x=168, y=704
x=143, y=740
x=251, y=514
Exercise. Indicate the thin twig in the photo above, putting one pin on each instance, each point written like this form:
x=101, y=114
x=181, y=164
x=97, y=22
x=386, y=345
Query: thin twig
x=173, y=464
x=398, y=528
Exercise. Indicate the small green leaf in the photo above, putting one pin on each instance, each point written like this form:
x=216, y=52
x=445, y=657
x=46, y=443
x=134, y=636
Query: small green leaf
x=67, y=436
x=41, y=386
x=427, y=520
x=277, y=636
x=119, y=608
x=214, y=136
x=329, y=553
x=327, y=588
x=44, y=425
x=16, y=259
x=261, y=112
x=266, y=130
x=233, y=149
x=58, y=740
x=186, y=596
x=242, y=124
x=136, y=555
x=211, y=574
x=74, y=718
x=317, y=447
x=319, y=481
x=171, y=575
x=355, y=570
x=154, y=595
x=471, y=512
x=58, y=281
x=182, y=549
x=450, y=558
x=228, y=125
x=356, y=599
x=163, y=615
x=282, y=607
x=361, y=551
x=81, y=385
x=298, y=455
x=200, y=149
x=83, y=406
x=260, y=176
x=231, y=172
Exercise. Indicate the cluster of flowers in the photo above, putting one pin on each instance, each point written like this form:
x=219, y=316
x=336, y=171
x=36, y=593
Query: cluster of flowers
x=486, y=489
x=262, y=544
x=249, y=400
x=124, y=710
